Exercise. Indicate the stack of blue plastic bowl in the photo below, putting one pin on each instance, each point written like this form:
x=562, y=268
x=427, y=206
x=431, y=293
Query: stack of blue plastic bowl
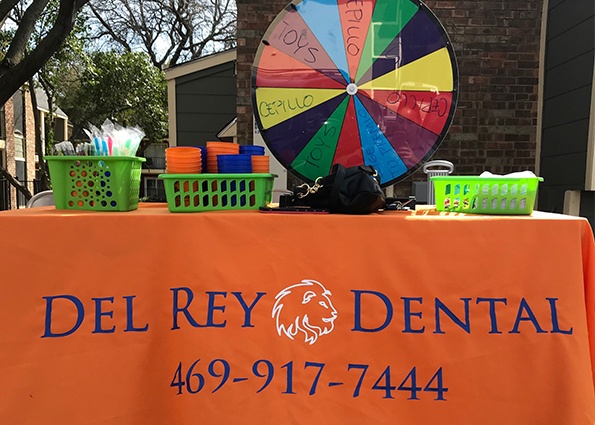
x=252, y=150
x=235, y=163
x=203, y=156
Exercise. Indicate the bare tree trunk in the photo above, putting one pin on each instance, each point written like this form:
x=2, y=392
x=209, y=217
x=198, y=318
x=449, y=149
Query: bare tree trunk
x=44, y=178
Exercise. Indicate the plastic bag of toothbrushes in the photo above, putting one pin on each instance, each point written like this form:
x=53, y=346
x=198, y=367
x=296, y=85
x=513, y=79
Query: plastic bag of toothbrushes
x=114, y=140
x=124, y=141
x=96, y=139
x=133, y=139
x=65, y=148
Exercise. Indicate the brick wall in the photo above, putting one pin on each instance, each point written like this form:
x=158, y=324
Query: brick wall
x=29, y=134
x=254, y=17
x=497, y=49
x=9, y=123
x=10, y=148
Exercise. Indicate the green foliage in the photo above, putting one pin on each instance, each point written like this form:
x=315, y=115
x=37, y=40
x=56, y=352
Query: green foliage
x=5, y=39
x=91, y=87
x=125, y=88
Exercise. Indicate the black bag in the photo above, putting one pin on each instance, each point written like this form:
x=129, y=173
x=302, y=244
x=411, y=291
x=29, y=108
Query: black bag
x=352, y=190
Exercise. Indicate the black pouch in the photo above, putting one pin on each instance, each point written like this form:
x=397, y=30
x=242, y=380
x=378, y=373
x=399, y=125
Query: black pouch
x=353, y=190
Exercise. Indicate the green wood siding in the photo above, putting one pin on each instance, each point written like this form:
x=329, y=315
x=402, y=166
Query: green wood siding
x=205, y=103
x=568, y=79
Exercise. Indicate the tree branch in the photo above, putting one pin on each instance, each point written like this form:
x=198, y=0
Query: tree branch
x=5, y=8
x=14, y=182
x=186, y=25
x=21, y=38
x=15, y=77
x=108, y=29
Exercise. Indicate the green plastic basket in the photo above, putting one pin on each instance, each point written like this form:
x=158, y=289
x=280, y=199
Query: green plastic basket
x=212, y=192
x=97, y=183
x=485, y=195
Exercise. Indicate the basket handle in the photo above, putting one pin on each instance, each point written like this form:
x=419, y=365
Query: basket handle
x=438, y=163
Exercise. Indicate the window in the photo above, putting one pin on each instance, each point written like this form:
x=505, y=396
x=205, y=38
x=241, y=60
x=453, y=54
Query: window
x=18, y=111
x=154, y=189
x=21, y=175
x=19, y=145
x=2, y=124
x=155, y=154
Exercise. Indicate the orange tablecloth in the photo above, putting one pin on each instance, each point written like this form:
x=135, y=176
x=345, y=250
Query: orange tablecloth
x=149, y=317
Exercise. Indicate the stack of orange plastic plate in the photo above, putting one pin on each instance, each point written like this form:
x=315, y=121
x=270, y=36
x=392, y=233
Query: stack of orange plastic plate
x=183, y=160
x=219, y=148
x=260, y=164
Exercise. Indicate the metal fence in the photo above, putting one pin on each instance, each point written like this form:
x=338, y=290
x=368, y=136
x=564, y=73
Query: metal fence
x=21, y=200
x=4, y=195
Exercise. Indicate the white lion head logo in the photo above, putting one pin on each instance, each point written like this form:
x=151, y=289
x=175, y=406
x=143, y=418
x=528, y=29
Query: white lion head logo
x=304, y=307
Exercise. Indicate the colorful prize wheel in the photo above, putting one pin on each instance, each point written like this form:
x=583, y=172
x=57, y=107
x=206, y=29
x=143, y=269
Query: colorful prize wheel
x=354, y=82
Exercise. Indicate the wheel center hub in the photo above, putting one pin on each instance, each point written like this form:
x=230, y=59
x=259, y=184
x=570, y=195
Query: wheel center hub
x=351, y=89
